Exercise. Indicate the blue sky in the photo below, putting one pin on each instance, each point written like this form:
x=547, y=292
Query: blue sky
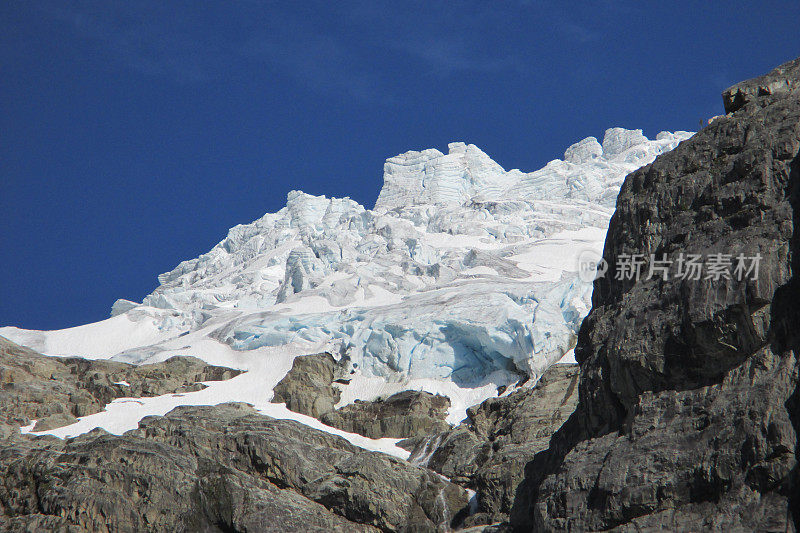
x=134, y=134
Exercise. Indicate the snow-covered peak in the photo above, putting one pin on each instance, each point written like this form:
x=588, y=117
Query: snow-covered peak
x=445, y=228
x=618, y=140
x=583, y=151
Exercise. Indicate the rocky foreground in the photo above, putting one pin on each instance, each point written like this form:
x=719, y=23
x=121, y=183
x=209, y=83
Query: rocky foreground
x=223, y=468
x=684, y=416
x=229, y=468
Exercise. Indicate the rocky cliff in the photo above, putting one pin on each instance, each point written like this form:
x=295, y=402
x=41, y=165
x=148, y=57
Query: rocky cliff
x=688, y=411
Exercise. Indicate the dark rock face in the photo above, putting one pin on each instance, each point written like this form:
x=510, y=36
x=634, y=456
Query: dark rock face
x=688, y=411
x=223, y=468
x=56, y=390
x=309, y=389
x=489, y=452
x=405, y=414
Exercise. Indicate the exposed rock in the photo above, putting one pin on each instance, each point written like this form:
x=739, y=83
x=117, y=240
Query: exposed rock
x=222, y=468
x=8, y=431
x=781, y=81
x=488, y=453
x=405, y=414
x=688, y=412
x=55, y=390
x=307, y=387
x=457, y=452
x=53, y=421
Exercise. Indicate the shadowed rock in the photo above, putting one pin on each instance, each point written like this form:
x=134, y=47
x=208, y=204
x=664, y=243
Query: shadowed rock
x=488, y=453
x=782, y=80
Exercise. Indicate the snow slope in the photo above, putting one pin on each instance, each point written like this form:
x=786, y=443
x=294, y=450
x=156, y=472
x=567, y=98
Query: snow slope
x=460, y=279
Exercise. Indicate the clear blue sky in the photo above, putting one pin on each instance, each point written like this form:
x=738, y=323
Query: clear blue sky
x=133, y=134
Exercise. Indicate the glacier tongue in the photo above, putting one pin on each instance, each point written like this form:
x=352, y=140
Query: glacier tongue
x=487, y=325
x=462, y=271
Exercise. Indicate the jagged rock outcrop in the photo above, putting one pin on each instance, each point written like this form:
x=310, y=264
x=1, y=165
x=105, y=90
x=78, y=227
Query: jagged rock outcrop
x=488, y=453
x=56, y=390
x=405, y=414
x=784, y=80
x=222, y=468
x=309, y=388
x=688, y=414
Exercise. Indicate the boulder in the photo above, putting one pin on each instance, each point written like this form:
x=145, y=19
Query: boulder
x=308, y=387
x=405, y=414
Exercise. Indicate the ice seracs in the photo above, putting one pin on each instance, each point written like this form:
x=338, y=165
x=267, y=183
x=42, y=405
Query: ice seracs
x=462, y=272
x=431, y=177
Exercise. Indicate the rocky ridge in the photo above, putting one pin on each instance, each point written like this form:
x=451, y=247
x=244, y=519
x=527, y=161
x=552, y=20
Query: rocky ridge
x=221, y=468
x=55, y=390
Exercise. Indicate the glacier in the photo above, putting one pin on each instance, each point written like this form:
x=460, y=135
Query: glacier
x=461, y=278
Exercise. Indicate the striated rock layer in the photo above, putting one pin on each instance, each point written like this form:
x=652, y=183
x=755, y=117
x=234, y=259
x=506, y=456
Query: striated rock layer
x=688, y=415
